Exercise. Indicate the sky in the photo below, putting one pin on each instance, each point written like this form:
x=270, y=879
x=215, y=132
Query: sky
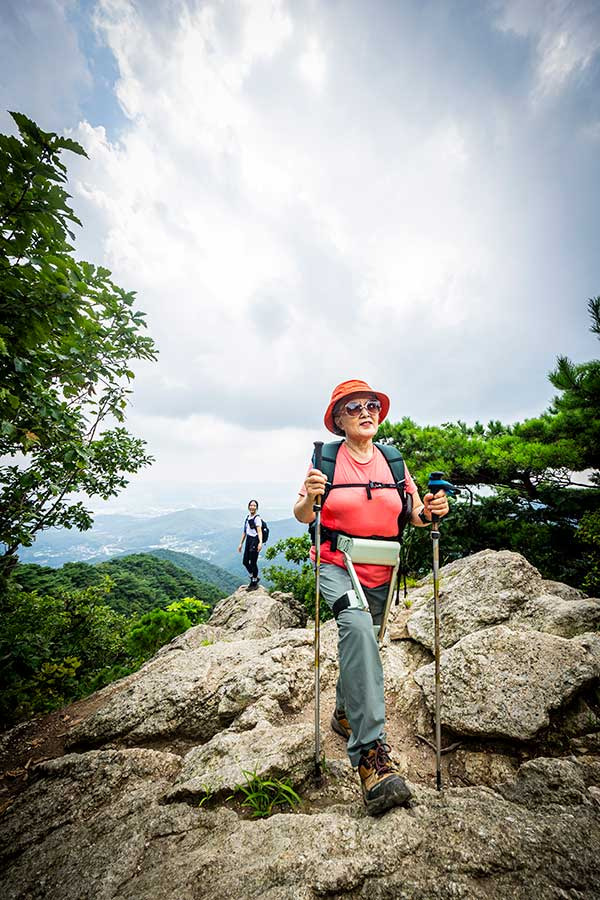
x=307, y=191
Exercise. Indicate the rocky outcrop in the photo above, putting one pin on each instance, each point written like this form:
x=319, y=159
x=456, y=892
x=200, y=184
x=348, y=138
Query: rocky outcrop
x=495, y=588
x=503, y=683
x=257, y=614
x=221, y=764
x=519, y=816
x=193, y=689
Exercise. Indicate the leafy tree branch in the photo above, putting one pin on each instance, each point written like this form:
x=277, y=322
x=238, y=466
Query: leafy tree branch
x=68, y=338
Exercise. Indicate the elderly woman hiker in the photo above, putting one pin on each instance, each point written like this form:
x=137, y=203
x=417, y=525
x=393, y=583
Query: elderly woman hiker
x=252, y=535
x=369, y=507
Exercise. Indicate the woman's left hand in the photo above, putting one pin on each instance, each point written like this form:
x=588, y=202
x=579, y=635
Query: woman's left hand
x=259, y=548
x=436, y=505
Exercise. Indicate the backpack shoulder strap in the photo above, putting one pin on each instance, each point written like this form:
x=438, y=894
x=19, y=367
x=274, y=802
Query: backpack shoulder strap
x=395, y=461
x=330, y=452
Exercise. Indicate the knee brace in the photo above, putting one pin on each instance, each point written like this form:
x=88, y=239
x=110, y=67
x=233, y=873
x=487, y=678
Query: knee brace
x=349, y=600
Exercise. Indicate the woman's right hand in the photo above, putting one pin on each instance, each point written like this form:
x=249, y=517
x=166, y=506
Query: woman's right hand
x=315, y=483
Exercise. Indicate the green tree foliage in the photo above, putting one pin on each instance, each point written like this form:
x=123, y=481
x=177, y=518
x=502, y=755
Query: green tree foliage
x=68, y=336
x=575, y=412
x=160, y=626
x=528, y=496
x=196, y=611
x=54, y=649
x=140, y=582
x=299, y=579
x=589, y=538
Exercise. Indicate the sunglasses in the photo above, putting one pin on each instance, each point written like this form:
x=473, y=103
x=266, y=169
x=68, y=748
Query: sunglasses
x=355, y=407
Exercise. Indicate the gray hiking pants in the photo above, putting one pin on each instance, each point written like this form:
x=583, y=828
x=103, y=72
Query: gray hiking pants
x=359, y=689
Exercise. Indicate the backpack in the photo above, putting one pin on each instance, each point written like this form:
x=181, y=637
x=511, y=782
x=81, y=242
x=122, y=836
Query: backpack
x=265, y=527
x=395, y=462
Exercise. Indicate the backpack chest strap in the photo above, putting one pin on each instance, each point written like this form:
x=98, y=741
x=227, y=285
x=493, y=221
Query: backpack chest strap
x=369, y=486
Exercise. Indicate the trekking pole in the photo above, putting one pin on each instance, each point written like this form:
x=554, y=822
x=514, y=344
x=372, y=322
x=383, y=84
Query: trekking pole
x=317, y=511
x=437, y=483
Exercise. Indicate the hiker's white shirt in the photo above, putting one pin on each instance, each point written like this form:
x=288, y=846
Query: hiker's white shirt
x=252, y=532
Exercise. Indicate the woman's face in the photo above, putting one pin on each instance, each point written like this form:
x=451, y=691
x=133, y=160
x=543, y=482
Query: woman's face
x=364, y=425
x=252, y=507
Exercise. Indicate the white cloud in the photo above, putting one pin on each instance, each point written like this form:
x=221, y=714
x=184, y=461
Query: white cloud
x=567, y=37
x=230, y=462
x=260, y=242
x=313, y=65
x=592, y=131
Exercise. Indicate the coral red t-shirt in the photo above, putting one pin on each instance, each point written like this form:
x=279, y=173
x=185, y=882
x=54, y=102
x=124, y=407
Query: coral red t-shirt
x=350, y=510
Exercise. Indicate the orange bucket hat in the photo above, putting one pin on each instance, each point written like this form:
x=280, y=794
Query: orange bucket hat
x=348, y=389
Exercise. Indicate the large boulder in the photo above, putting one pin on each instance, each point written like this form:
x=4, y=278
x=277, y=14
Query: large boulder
x=554, y=782
x=557, y=615
x=494, y=588
x=194, y=694
x=225, y=761
x=502, y=683
x=257, y=614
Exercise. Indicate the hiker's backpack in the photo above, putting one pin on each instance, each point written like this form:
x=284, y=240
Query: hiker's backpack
x=394, y=460
x=265, y=527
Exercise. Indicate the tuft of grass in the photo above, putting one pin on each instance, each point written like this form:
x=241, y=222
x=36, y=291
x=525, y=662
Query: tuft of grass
x=207, y=797
x=263, y=795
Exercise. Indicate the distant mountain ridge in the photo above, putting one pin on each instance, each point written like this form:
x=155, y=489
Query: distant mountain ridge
x=212, y=535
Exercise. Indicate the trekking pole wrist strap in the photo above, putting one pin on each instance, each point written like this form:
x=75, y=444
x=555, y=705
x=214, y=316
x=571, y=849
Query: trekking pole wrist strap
x=421, y=515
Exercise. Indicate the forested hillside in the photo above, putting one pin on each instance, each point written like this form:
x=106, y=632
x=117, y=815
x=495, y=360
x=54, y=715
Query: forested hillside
x=202, y=570
x=140, y=582
x=68, y=631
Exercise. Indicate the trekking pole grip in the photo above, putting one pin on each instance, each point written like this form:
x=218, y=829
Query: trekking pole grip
x=436, y=482
x=318, y=464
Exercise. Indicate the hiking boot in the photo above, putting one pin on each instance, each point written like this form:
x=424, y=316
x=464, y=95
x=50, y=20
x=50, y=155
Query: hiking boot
x=340, y=724
x=253, y=584
x=382, y=787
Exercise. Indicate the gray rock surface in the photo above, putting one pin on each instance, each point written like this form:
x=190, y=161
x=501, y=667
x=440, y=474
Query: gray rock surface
x=264, y=710
x=196, y=693
x=93, y=827
x=555, y=782
x=257, y=614
x=557, y=615
x=502, y=683
x=493, y=588
x=482, y=768
x=220, y=765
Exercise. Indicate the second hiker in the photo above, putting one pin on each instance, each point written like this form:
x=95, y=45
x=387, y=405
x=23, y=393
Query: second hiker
x=371, y=506
x=252, y=536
